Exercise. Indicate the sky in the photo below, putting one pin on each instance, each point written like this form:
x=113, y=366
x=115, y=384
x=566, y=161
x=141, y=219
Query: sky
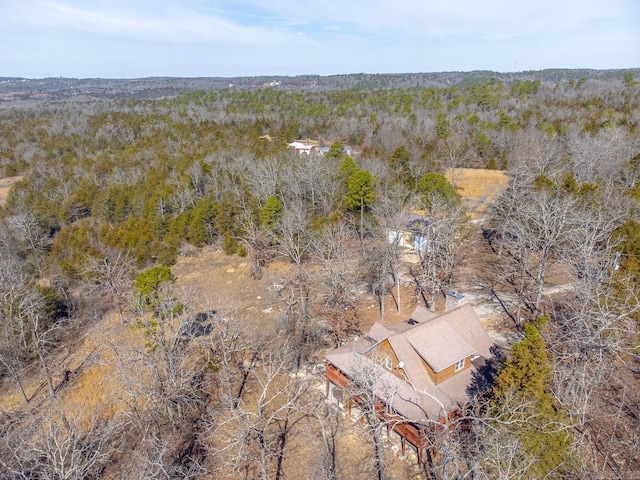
x=219, y=38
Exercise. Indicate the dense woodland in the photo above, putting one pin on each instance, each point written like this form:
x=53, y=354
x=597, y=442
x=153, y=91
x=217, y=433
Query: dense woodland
x=115, y=187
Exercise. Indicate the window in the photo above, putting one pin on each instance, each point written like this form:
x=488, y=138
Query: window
x=459, y=364
x=396, y=237
x=389, y=363
x=420, y=243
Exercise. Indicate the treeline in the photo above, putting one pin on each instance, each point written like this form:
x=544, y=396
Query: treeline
x=112, y=189
x=159, y=168
x=16, y=90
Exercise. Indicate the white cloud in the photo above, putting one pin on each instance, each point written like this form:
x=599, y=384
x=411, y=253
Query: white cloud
x=326, y=36
x=161, y=22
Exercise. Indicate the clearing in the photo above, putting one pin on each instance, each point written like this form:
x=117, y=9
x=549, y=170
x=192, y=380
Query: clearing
x=477, y=187
x=5, y=185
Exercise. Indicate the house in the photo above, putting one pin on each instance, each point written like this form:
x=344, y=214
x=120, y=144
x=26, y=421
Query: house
x=423, y=367
x=307, y=147
x=409, y=230
x=348, y=151
x=303, y=148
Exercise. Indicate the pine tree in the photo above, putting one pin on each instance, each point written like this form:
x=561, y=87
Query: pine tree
x=433, y=183
x=360, y=193
x=271, y=212
x=525, y=410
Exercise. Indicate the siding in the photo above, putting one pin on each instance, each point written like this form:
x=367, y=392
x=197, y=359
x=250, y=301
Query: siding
x=385, y=350
x=451, y=371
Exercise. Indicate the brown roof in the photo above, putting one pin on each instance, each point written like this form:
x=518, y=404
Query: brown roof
x=379, y=332
x=422, y=314
x=439, y=344
x=441, y=341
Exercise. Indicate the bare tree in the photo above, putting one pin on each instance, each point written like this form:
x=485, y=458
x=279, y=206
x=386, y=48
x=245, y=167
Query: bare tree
x=257, y=431
x=444, y=250
x=590, y=338
x=58, y=447
x=27, y=330
x=373, y=394
x=165, y=379
x=327, y=419
x=15, y=346
x=257, y=243
x=264, y=178
x=498, y=453
x=380, y=266
x=535, y=232
x=389, y=210
x=298, y=320
x=235, y=347
x=332, y=249
x=25, y=228
x=292, y=233
x=112, y=274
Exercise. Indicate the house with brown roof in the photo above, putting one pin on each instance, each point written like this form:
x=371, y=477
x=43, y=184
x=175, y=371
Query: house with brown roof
x=427, y=362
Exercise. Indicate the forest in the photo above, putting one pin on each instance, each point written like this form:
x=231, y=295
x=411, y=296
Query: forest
x=112, y=187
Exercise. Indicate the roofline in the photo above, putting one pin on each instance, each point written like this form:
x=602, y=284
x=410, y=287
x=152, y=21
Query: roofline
x=443, y=369
x=406, y=376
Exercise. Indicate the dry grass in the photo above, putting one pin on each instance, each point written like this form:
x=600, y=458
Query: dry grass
x=477, y=187
x=5, y=185
x=94, y=387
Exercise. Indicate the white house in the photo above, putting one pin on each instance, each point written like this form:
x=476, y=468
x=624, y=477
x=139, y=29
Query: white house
x=409, y=230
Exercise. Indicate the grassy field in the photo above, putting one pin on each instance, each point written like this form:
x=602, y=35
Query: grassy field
x=477, y=187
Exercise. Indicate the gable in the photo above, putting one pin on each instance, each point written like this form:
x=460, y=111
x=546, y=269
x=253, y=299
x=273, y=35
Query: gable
x=440, y=345
x=379, y=332
x=423, y=353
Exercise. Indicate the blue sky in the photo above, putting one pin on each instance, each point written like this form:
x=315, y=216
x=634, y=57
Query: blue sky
x=191, y=38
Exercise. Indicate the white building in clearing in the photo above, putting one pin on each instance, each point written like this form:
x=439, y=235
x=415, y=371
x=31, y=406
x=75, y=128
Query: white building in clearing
x=303, y=148
x=308, y=147
x=409, y=230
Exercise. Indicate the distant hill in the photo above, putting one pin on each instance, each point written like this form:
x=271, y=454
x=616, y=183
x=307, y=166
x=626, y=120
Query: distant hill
x=21, y=89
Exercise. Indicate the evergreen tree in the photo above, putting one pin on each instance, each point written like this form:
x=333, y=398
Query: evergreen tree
x=335, y=151
x=271, y=212
x=400, y=162
x=360, y=193
x=524, y=408
x=347, y=168
x=148, y=287
x=434, y=183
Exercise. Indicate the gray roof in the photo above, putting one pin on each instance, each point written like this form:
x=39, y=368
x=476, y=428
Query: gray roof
x=410, y=222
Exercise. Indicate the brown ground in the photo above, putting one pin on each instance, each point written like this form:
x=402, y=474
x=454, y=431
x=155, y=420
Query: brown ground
x=91, y=385
x=83, y=369
x=5, y=186
x=477, y=187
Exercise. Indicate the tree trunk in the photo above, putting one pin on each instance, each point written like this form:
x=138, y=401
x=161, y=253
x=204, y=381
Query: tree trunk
x=397, y=277
x=263, y=455
x=43, y=362
x=542, y=268
x=521, y=293
x=361, y=218
x=378, y=447
x=47, y=373
x=16, y=378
